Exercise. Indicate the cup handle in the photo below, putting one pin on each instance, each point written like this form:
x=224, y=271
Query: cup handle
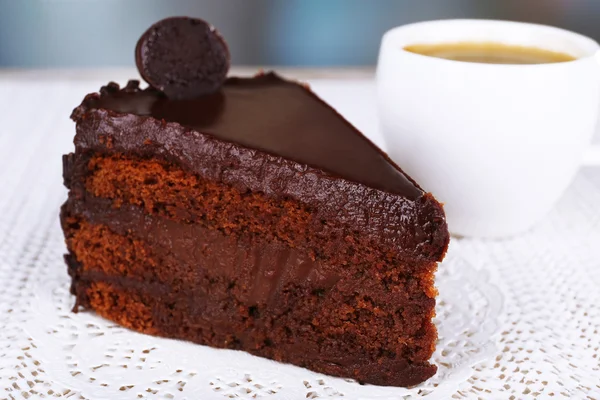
x=592, y=156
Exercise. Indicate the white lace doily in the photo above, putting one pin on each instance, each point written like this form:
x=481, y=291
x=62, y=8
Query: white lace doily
x=548, y=332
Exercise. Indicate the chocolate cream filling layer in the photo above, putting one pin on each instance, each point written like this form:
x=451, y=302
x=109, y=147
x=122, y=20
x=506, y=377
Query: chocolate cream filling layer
x=182, y=254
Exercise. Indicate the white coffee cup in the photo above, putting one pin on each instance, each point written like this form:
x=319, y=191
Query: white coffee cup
x=497, y=143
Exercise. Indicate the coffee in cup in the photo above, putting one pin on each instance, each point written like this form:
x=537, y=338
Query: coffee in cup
x=489, y=53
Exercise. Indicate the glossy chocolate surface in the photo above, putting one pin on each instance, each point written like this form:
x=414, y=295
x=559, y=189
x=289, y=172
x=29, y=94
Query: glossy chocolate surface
x=273, y=115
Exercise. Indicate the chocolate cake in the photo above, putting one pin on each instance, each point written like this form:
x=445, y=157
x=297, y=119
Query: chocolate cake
x=254, y=217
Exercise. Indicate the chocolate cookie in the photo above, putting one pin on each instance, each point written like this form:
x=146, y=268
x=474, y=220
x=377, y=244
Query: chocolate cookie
x=182, y=57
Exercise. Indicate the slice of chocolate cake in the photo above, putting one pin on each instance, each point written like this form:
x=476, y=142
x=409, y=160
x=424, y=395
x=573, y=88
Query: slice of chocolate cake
x=252, y=217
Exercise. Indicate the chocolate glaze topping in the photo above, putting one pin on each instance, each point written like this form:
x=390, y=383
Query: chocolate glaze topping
x=273, y=115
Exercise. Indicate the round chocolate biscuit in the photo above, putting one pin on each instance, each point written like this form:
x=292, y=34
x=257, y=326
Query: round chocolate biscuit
x=182, y=57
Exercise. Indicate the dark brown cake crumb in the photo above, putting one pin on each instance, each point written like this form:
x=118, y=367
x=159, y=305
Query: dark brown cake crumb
x=125, y=308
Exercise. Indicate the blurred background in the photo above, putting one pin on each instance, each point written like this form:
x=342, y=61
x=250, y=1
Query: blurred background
x=96, y=33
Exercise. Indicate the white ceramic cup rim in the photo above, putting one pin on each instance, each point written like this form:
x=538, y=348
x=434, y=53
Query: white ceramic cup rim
x=575, y=44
